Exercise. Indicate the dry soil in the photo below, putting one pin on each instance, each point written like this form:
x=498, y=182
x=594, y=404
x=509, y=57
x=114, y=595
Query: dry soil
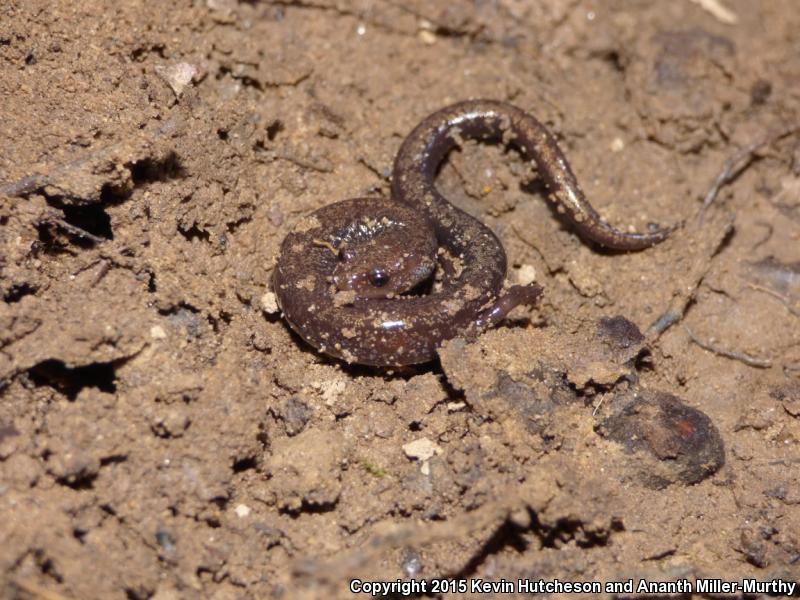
x=164, y=435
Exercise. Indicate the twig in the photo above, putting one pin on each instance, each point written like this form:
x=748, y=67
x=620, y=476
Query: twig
x=321, y=166
x=730, y=170
x=752, y=361
x=75, y=230
x=706, y=242
x=785, y=300
x=737, y=163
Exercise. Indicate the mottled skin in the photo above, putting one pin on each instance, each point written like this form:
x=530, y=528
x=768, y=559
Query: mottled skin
x=342, y=270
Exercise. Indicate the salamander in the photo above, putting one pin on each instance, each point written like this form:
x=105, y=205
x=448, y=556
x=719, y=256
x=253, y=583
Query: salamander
x=385, y=281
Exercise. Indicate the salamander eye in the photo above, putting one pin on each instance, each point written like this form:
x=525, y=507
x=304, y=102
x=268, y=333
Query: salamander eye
x=378, y=277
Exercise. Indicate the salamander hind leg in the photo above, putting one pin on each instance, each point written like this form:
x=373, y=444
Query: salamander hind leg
x=515, y=296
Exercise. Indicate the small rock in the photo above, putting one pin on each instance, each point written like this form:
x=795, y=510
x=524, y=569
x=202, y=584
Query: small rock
x=177, y=76
x=789, y=395
x=526, y=274
x=619, y=332
x=275, y=215
x=427, y=37
x=157, y=332
x=172, y=422
x=753, y=547
x=295, y=414
x=269, y=302
x=685, y=444
x=242, y=511
x=422, y=449
x=757, y=419
x=411, y=563
x=165, y=541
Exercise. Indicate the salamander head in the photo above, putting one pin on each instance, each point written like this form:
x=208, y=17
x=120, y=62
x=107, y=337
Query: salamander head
x=382, y=267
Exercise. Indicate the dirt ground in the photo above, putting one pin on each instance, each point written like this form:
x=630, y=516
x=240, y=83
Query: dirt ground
x=164, y=435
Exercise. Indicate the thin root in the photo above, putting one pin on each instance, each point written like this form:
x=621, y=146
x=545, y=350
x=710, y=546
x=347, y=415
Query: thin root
x=752, y=361
x=737, y=163
x=664, y=322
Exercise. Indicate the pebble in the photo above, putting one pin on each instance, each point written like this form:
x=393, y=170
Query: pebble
x=177, y=76
x=411, y=563
x=269, y=303
x=422, y=449
x=526, y=274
